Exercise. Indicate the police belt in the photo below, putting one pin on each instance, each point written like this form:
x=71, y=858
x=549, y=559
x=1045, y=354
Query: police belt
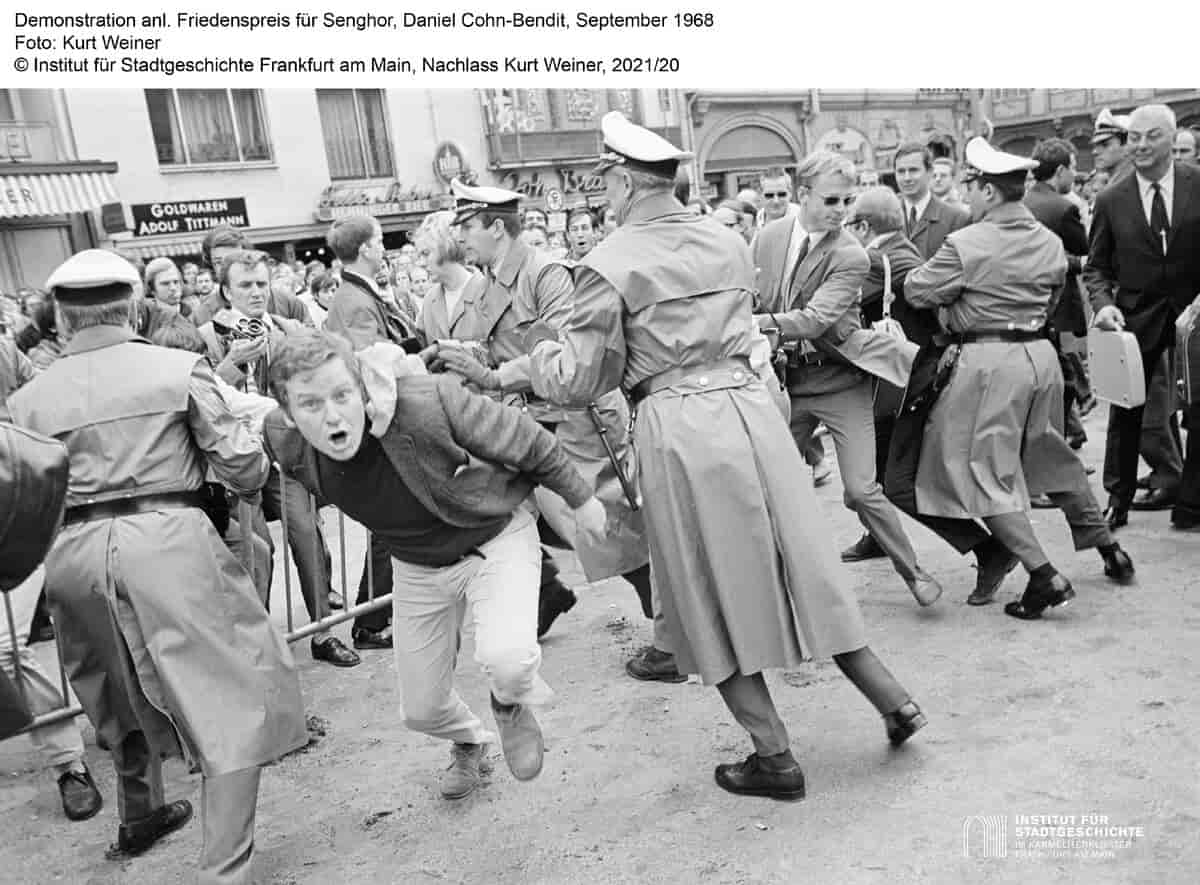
x=671, y=377
x=1009, y=336
x=132, y=506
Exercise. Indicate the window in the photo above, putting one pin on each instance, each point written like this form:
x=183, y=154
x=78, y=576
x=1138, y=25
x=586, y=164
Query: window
x=354, y=123
x=197, y=126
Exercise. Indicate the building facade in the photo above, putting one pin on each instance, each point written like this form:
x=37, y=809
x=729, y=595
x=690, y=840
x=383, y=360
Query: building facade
x=1023, y=117
x=738, y=135
x=48, y=194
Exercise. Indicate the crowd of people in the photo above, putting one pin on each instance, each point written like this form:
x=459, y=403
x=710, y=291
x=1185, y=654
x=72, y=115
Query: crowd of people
x=643, y=394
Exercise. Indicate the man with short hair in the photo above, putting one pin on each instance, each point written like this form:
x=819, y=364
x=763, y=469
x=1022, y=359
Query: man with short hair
x=244, y=363
x=777, y=192
x=819, y=313
x=1109, y=135
x=1184, y=149
x=1143, y=270
x=581, y=233
x=458, y=533
x=928, y=220
x=167, y=646
x=941, y=181
x=219, y=242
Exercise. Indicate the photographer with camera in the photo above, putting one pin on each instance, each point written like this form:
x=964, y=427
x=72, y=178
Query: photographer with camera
x=241, y=339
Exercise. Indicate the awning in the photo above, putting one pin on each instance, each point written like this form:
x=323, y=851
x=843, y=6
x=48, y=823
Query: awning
x=56, y=189
x=170, y=246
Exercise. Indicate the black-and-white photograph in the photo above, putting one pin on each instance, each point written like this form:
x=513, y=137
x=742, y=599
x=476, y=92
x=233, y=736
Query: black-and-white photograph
x=598, y=485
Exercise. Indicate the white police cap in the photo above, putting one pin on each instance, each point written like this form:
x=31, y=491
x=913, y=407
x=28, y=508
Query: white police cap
x=1108, y=125
x=470, y=200
x=90, y=275
x=983, y=159
x=627, y=143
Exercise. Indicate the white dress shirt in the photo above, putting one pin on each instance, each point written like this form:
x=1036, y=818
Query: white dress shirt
x=920, y=206
x=1146, y=189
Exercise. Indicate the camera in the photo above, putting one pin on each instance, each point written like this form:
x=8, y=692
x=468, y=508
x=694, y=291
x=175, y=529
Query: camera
x=235, y=326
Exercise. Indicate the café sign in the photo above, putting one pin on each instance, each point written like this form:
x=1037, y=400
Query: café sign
x=188, y=216
x=343, y=201
x=538, y=184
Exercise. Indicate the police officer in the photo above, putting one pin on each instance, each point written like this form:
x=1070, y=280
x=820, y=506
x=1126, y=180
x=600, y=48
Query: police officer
x=529, y=291
x=154, y=614
x=747, y=580
x=995, y=435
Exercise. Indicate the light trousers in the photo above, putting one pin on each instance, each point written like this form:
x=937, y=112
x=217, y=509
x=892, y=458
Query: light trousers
x=60, y=746
x=494, y=593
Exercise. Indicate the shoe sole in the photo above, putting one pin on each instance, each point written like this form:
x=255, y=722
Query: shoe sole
x=846, y=558
x=779, y=795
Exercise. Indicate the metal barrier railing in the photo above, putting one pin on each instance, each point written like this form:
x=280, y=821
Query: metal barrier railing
x=246, y=520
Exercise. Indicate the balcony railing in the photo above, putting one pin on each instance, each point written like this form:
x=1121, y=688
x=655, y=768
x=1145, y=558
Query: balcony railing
x=22, y=142
x=566, y=145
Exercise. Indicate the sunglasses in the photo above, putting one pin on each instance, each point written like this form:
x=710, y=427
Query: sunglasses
x=777, y=196
x=831, y=201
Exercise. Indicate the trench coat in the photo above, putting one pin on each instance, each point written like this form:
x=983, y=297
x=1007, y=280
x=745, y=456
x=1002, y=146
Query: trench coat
x=159, y=627
x=747, y=577
x=995, y=435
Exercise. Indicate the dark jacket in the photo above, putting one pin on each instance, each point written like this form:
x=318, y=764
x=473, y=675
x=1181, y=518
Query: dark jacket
x=1126, y=265
x=362, y=317
x=467, y=458
x=937, y=222
x=920, y=325
x=1062, y=217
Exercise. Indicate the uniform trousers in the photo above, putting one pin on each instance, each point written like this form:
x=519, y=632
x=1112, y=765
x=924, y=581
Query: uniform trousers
x=849, y=415
x=59, y=746
x=1159, y=442
x=495, y=593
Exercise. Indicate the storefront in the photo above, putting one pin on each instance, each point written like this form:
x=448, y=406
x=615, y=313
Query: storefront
x=556, y=190
x=176, y=228
x=399, y=211
x=45, y=216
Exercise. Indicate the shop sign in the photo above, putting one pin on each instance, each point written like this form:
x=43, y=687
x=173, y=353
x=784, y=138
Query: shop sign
x=540, y=183
x=554, y=200
x=449, y=163
x=343, y=201
x=188, y=216
x=112, y=218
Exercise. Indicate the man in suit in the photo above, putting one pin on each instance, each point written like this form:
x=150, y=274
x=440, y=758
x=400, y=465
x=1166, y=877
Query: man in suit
x=878, y=221
x=773, y=251
x=219, y=242
x=819, y=314
x=1054, y=177
x=361, y=315
x=927, y=219
x=244, y=363
x=1143, y=269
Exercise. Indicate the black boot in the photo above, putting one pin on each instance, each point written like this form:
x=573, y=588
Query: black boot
x=1117, y=564
x=776, y=777
x=1041, y=594
x=904, y=723
x=138, y=837
x=994, y=562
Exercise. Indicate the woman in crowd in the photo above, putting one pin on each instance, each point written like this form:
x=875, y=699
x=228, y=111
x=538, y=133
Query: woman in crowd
x=319, y=296
x=449, y=309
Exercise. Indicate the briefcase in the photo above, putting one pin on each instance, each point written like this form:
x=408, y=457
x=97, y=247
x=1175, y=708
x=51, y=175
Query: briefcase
x=1187, y=354
x=1115, y=363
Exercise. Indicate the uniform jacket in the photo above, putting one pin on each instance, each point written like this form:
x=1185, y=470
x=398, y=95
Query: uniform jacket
x=362, y=317
x=467, y=458
x=1062, y=216
x=1126, y=265
x=160, y=628
x=937, y=222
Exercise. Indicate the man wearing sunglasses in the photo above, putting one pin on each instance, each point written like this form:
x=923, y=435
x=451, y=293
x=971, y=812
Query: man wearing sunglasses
x=818, y=314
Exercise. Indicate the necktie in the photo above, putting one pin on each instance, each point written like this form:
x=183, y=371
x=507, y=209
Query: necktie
x=801, y=254
x=1158, y=216
x=912, y=218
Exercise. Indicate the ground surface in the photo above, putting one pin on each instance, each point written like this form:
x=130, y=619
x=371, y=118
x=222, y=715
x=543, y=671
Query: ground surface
x=1089, y=712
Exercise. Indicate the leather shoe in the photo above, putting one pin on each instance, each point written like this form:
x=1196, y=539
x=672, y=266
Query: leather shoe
x=520, y=739
x=137, y=837
x=753, y=778
x=1116, y=516
x=1144, y=481
x=364, y=638
x=80, y=798
x=332, y=650
x=336, y=602
x=924, y=587
x=1040, y=596
x=1118, y=565
x=1154, y=499
x=551, y=605
x=995, y=562
x=654, y=665
x=865, y=547
x=904, y=723
x=467, y=761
